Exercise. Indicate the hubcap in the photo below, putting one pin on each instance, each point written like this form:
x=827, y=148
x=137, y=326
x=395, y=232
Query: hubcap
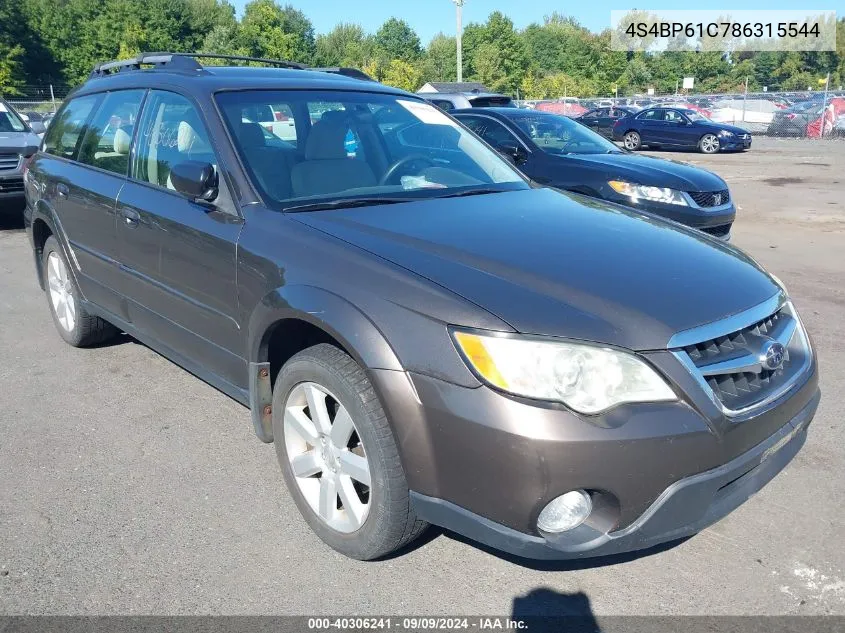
x=327, y=457
x=61, y=294
x=710, y=143
x=630, y=141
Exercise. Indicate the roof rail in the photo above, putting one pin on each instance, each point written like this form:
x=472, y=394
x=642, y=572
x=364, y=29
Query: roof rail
x=179, y=61
x=188, y=62
x=353, y=73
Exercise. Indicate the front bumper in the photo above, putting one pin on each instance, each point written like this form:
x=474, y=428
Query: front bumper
x=717, y=219
x=485, y=464
x=734, y=143
x=683, y=509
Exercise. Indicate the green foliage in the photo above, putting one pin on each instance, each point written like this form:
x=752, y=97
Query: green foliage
x=59, y=41
x=396, y=40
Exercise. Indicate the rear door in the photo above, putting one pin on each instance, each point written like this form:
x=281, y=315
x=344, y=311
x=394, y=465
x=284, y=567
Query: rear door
x=94, y=132
x=177, y=254
x=651, y=126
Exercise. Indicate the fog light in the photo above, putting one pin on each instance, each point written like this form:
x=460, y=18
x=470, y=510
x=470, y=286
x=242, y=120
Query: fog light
x=565, y=512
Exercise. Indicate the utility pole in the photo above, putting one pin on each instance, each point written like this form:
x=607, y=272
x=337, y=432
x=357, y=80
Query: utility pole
x=459, y=6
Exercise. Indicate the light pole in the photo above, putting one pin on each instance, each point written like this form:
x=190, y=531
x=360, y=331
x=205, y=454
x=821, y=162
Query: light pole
x=459, y=5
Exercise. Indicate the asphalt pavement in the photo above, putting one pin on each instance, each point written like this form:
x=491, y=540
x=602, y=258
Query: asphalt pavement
x=128, y=486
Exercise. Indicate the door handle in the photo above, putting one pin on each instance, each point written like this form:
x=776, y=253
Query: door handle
x=62, y=190
x=130, y=216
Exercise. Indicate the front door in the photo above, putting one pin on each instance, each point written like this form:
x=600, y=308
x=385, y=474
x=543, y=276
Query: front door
x=178, y=254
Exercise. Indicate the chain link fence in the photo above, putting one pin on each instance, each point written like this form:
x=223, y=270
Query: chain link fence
x=815, y=115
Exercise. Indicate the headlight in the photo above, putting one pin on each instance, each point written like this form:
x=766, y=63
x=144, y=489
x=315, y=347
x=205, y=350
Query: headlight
x=647, y=192
x=586, y=378
x=725, y=133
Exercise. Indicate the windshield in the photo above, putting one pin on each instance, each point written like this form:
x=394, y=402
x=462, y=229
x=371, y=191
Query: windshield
x=559, y=135
x=9, y=120
x=331, y=146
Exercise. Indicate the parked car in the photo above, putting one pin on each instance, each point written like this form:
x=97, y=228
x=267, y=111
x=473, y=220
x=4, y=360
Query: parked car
x=447, y=102
x=807, y=119
x=424, y=335
x=17, y=145
x=555, y=151
x=672, y=127
x=601, y=120
x=561, y=107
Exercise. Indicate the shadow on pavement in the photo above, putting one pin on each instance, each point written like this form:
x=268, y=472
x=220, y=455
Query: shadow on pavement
x=546, y=610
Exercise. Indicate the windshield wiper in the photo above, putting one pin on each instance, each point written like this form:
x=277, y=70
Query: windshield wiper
x=471, y=192
x=343, y=204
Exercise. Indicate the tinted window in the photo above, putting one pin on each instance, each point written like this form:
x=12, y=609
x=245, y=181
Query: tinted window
x=66, y=128
x=491, y=102
x=171, y=131
x=109, y=134
x=490, y=130
x=443, y=104
x=594, y=114
x=672, y=116
x=9, y=120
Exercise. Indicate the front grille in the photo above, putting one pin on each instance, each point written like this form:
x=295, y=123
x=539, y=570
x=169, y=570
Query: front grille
x=719, y=231
x=9, y=161
x=732, y=368
x=710, y=198
x=12, y=185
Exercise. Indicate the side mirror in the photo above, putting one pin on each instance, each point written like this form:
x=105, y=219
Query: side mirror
x=512, y=151
x=195, y=179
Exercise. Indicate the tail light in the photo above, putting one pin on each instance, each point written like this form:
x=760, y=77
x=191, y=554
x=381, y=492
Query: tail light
x=791, y=116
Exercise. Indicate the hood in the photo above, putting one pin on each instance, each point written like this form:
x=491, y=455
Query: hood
x=19, y=142
x=646, y=170
x=559, y=264
x=717, y=127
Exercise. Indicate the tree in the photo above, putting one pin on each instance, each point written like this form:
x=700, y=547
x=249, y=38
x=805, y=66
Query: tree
x=440, y=62
x=345, y=45
x=496, y=53
x=268, y=30
x=402, y=74
x=396, y=40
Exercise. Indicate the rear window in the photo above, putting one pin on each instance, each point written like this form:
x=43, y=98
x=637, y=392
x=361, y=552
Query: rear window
x=492, y=102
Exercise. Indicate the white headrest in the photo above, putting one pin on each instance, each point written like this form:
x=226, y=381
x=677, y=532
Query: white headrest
x=122, y=141
x=188, y=140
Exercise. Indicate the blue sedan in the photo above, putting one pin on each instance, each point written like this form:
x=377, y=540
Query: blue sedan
x=678, y=127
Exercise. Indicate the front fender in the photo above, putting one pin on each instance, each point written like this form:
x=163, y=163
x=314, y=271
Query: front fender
x=327, y=311
x=323, y=309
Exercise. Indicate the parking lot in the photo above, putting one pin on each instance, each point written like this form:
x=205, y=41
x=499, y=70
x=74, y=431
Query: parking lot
x=127, y=486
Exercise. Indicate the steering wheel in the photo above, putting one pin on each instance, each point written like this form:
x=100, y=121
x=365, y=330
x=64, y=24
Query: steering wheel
x=394, y=168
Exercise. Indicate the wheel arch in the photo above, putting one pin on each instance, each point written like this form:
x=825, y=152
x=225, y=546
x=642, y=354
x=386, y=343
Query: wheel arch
x=292, y=318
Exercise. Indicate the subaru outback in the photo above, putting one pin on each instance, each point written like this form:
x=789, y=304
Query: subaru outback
x=425, y=336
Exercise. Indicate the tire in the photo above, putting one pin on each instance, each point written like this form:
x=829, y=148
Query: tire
x=632, y=141
x=75, y=325
x=388, y=523
x=709, y=144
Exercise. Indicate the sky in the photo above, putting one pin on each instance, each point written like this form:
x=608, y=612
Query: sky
x=428, y=17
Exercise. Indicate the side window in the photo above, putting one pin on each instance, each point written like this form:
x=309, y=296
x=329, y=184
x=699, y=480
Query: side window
x=65, y=130
x=494, y=132
x=651, y=115
x=672, y=116
x=476, y=124
x=109, y=135
x=595, y=114
x=171, y=131
x=443, y=104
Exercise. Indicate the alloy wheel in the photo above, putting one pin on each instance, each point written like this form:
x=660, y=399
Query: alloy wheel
x=61, y=292
x=710, y=144
x=632, y=141
x=326, y=457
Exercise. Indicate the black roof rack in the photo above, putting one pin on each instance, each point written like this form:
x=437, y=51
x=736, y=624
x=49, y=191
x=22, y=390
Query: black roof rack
x=188, y=62
x=354, y=73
